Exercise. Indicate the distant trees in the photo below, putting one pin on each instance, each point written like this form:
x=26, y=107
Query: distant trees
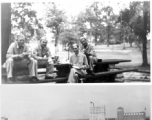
x=137, y=19
x=109, y=18
x=97, y=20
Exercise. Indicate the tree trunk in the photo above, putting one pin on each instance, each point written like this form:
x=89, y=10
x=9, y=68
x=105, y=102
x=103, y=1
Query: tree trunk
x=56, y=40
x=130, y=44
x=108, y=40
x=124, y=42
x=101, y=39
x=95, y=37
x=144, y=51
x=130, y=41
x=6, y=28
x=108, y=36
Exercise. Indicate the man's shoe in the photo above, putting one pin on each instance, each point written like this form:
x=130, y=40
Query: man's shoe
x=34, y=79
x=90, y=72
x=9, y=80
x=50, y=76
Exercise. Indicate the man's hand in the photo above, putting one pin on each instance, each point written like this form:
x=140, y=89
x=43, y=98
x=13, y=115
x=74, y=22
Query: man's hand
x=25, y=54
x=20, y=56
x=86, y=53
x=45, y=59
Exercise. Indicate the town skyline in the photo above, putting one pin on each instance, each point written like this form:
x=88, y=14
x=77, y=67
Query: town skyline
x=72, y=102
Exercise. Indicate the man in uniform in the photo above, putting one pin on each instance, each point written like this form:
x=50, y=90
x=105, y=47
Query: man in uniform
x=89, y=51
x=18, y=54
x=43, y=55
x=79, y=65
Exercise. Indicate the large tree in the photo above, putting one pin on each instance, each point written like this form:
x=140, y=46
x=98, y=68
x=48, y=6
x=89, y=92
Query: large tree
x=140, y=22
x=55, y=20
x=23, y=18
x=137, y=18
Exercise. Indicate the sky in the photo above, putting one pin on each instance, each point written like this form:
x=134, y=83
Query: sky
x=74, y=7
x=47, y=102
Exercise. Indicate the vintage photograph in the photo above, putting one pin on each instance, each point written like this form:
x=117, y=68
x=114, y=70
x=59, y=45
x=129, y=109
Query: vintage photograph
x=75, y=41
x=75, y=102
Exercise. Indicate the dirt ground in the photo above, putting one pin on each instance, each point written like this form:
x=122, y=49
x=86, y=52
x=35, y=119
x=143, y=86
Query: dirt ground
x=117, y=52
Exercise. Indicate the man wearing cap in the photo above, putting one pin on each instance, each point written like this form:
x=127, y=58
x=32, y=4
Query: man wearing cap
x=18, y=54
x=79, y=65
x=43, y=55
x=89, y=51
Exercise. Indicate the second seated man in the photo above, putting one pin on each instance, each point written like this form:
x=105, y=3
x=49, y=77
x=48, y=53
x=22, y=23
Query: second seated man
x=43, y=55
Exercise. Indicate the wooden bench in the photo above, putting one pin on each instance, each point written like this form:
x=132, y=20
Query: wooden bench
x=99, y=75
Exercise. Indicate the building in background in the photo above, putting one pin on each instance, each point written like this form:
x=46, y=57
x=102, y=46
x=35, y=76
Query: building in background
x=97, y=112
x=121, y=115
x=111, y=118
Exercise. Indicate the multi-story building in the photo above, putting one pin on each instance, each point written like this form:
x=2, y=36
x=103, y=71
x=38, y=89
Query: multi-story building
x=130, y=115
x=120, y=113
x=97, y=112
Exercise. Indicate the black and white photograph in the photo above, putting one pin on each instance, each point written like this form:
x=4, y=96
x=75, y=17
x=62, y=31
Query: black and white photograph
x=75, y=102
x=75, y=41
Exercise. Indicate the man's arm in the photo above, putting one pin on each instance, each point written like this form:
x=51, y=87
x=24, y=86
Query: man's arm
x=48, y=54
x=71, y=62
x=27, y=51
x=35, y=55
x=10, y=53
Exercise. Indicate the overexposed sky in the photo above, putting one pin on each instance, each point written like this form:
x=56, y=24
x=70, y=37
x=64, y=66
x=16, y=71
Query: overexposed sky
x=48, y=102
x=74, y=7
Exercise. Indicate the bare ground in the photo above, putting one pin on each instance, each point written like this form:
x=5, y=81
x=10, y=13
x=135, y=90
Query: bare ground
x=117, y=52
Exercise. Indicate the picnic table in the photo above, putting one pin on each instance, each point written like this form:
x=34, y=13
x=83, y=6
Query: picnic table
x=101, y=69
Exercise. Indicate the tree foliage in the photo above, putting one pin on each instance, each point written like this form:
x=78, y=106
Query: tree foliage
x=55, y=19
x=137, y=19
x=23, y=18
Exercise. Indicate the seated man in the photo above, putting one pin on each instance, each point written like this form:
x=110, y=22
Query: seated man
x=18, y=55
x=42, y=54
x=88, y=50
x=79, y=65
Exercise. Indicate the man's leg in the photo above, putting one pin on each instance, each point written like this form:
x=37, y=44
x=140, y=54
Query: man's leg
x=73, y=76
x=33, y=67
x=49, y=67
x=9, y=67
x=92, y=60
